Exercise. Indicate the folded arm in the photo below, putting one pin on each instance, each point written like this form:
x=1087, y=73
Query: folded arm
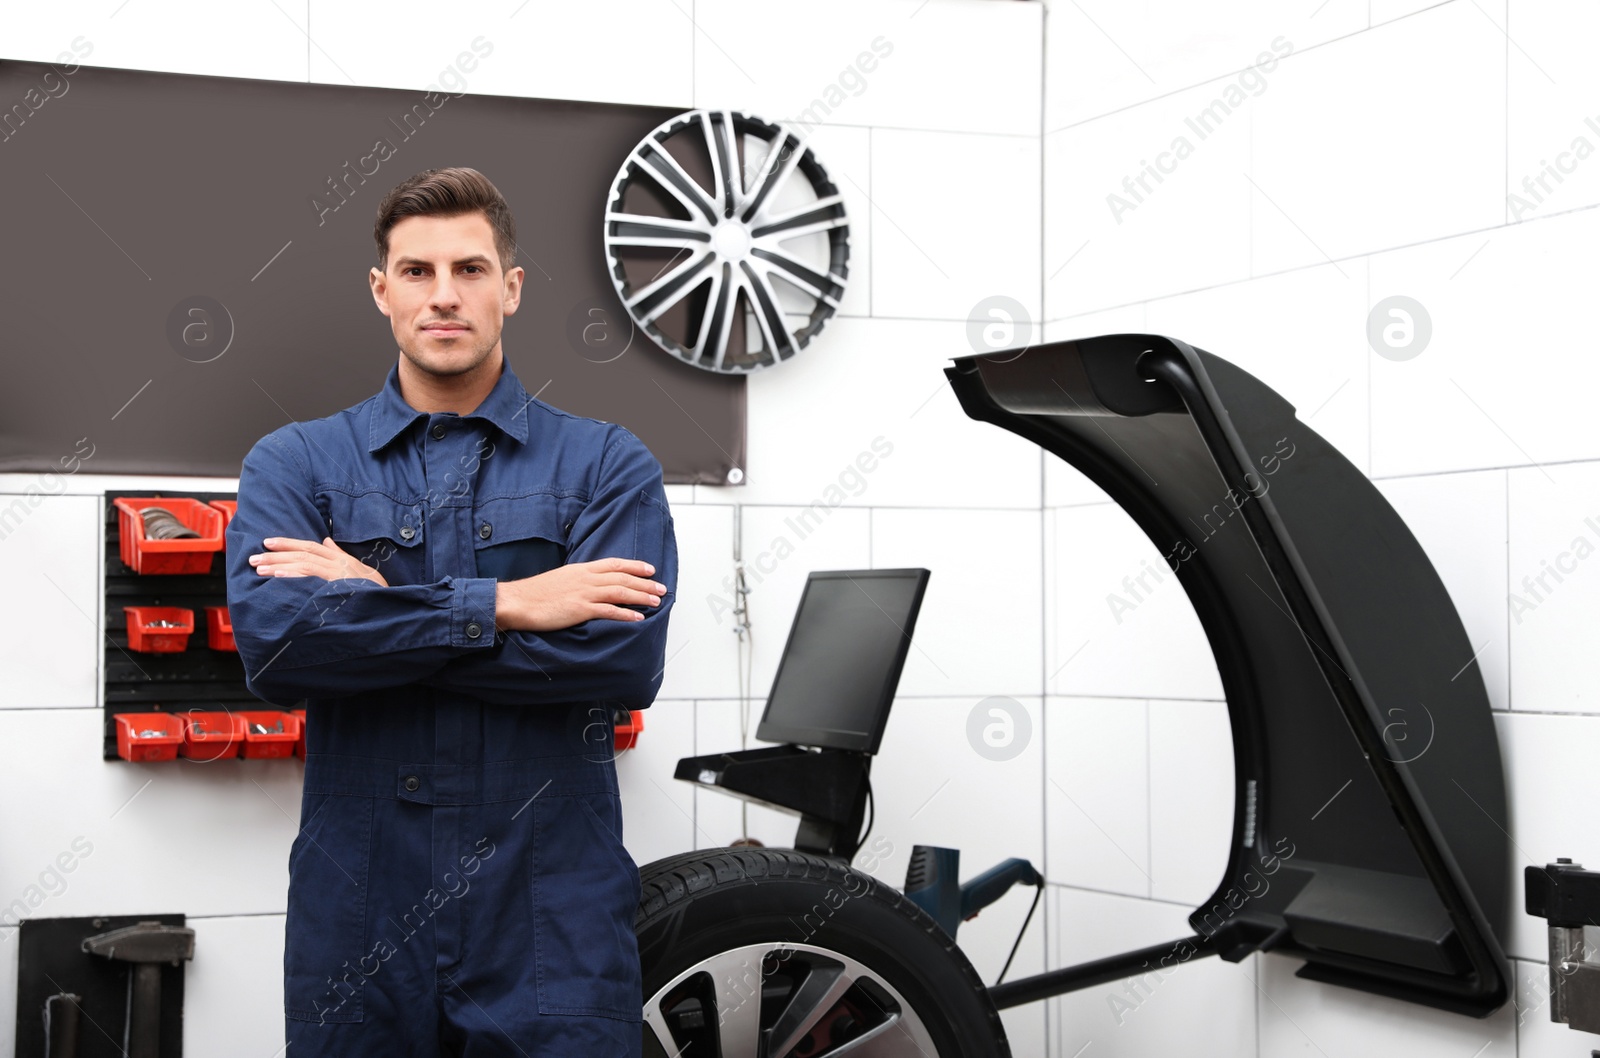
x=305, y=636
x=600, y=659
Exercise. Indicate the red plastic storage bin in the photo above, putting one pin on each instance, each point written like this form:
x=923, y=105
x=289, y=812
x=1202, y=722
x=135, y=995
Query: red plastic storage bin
x=219, y=629
x=148, y=736
x=627, y=735
x=144, y=634
x=270, y=743
x=300, y=743
x=187, y=555
x=212, y=735
x=228, y=508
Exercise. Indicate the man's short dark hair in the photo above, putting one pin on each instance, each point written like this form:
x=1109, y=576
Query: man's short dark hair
x=447, y=193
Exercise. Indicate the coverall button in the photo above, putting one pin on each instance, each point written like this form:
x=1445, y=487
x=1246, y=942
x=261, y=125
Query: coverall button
x=473, y=631
x=406, y=532
x=412, y=782
x=438, y=431
x=484, y=530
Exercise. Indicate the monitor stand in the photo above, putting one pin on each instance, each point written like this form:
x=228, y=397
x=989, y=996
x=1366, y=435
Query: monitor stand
x=827, y=787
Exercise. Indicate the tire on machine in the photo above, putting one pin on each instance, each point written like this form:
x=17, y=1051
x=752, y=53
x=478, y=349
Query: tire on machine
x=744, y=942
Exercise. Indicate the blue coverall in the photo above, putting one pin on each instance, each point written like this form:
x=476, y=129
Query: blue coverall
x=459, y=883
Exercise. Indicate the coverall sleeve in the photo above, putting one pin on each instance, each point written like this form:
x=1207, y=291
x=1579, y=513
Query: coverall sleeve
x=601, y=659
x=303, y=637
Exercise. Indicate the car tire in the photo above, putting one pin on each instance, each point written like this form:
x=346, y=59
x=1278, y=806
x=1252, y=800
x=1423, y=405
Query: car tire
x=774, y=953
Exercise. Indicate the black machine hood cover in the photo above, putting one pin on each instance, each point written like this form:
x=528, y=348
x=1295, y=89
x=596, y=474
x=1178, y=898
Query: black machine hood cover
x=1345, y=665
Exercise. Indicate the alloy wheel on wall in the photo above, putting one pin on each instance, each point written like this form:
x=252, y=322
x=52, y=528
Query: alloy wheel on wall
x=726, y=241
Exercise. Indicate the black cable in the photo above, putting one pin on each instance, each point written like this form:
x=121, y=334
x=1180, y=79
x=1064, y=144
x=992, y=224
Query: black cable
x=1037, y=894
x=871, y=809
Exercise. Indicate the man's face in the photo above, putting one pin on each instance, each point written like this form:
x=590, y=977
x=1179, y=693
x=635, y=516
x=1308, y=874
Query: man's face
x=444, y=293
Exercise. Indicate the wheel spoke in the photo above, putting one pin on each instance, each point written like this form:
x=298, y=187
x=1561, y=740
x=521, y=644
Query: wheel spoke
x=738, y=1012
x=824, y=288
x=724, y=151
x=635, y=229
x=785, y=151
x=671, y=288
x=818, y=994
x=657, y=1024
x=711, y=328
x=666, y=171
x=769, y=314
x=891, y=1039
x=730, y=308
x=826, y=212
x=889, y=1027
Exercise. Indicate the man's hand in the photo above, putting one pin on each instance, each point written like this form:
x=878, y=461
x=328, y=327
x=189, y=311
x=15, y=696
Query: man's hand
x=307, y=558
x=578, y=592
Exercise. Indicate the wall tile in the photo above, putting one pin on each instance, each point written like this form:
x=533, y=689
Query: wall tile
x=1554, y=588
x=1149, y=201
x=977, y=632
x=1104, y=57
x=1358, y=146
x=51, y=648
x=874, y=62
x=1553, y=123
x=870, y=420
x=115, y=821
x=1191, y=799
x=701, y=657
x=185, y=36
x=1107, y=625
x=538, y=48
x=1097, y=794
x=955, y=222
x=1497, y=383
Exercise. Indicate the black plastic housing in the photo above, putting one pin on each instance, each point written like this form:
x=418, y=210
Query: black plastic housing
x=1369, y=830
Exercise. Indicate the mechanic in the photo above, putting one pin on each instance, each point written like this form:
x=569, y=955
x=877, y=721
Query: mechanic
x=464, y=583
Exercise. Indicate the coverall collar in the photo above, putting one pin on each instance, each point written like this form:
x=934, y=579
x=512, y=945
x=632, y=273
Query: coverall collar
x=506, y=406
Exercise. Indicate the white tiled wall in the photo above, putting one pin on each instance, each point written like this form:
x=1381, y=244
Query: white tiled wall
x=1111, y=168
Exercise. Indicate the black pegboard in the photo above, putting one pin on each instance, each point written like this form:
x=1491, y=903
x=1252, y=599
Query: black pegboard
x=196, y=677
x=50, y=959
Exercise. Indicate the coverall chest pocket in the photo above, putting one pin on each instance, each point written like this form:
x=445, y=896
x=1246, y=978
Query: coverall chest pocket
x=521, y=536
x=585, y=894
x=324, y=957
x=380, y=532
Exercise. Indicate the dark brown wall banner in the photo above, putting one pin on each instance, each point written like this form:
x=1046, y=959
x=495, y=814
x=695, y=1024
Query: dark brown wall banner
x=183, y=261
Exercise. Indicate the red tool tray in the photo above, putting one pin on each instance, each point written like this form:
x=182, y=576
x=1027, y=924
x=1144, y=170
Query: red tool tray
x=219, y=629
x=258, y=744
x=132, y=744
x=189, y=555
x=228, y=508
x=144, y=635
x=627, y=735
x=212, y=735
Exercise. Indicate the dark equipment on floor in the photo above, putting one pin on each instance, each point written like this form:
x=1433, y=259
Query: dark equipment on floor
x=1367, y=774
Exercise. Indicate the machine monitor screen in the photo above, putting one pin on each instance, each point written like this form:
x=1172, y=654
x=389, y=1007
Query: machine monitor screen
x=841, y=665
